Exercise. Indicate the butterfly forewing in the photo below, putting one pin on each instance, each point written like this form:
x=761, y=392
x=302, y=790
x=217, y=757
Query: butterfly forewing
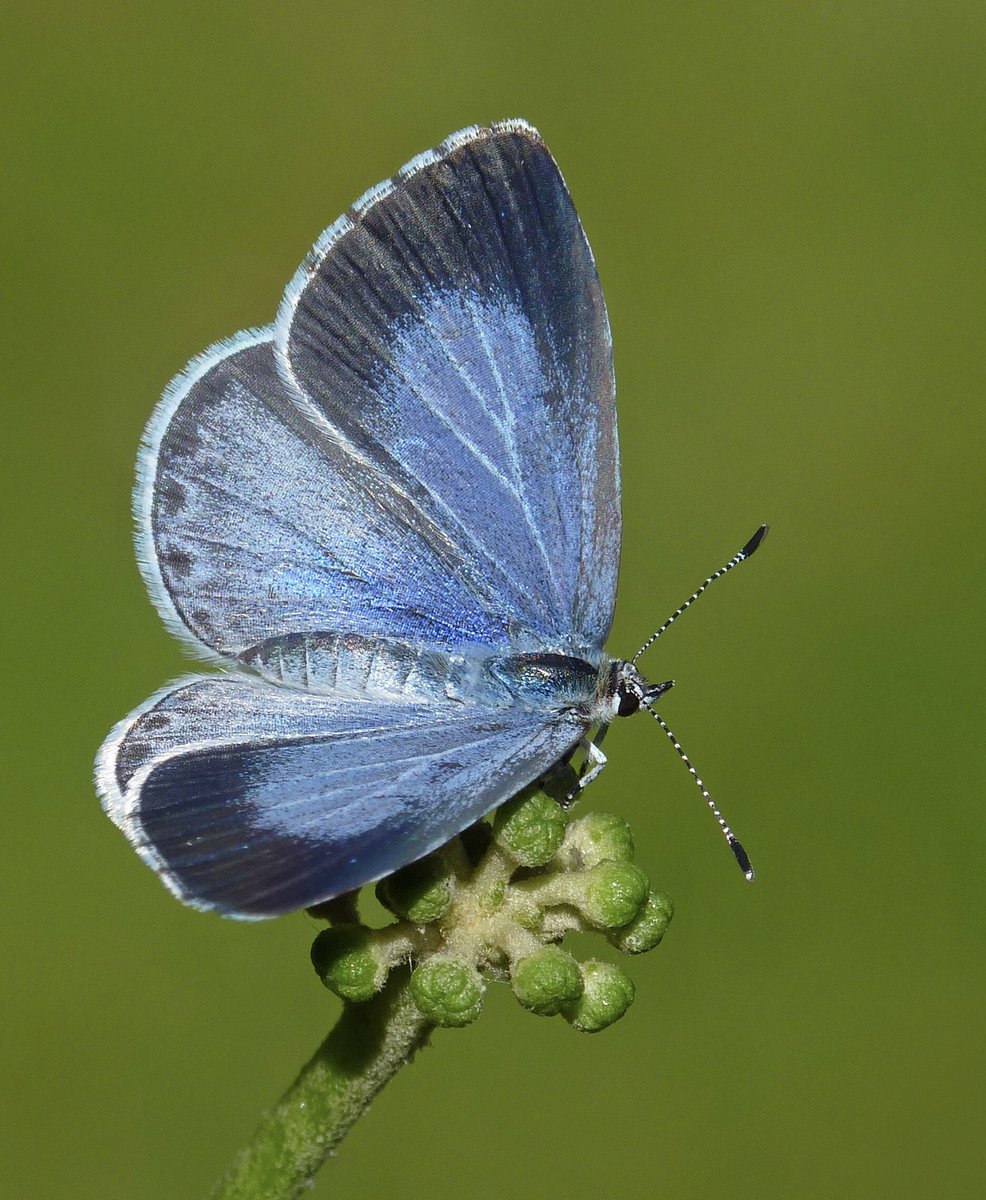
x=255, y=800
x=453, y=330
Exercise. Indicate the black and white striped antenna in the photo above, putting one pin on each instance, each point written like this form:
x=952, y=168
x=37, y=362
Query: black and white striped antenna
x=740, y=556
x=731, y=839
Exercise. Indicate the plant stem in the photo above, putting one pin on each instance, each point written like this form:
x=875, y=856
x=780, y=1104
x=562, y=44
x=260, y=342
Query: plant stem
x=367, y=1046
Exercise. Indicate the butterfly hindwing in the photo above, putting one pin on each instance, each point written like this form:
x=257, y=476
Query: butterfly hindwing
x=253, y=523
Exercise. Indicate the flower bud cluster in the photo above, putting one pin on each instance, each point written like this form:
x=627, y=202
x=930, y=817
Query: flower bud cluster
x=494, y=904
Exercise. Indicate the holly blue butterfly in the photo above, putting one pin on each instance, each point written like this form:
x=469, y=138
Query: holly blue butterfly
x=392, y=518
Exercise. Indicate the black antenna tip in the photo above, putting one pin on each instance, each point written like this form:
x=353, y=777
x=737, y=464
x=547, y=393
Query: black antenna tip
x=754, y=541
x=743, y=859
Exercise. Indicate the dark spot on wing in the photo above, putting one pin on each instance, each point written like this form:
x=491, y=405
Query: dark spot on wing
x=178, y=562
x=170, y=496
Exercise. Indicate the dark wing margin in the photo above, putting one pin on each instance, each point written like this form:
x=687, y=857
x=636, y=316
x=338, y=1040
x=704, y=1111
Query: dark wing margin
x=253, y=800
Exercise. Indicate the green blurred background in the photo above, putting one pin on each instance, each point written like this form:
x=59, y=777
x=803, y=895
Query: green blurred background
x=786, y=203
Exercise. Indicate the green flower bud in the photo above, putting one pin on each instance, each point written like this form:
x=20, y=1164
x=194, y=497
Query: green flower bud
x=596, y=837
x=648, y=927
x=608, y=994
x=547, y=981
x=614, y=894
x=420, y=892
x=347, y=961
x=447, y=992
x=530, y=828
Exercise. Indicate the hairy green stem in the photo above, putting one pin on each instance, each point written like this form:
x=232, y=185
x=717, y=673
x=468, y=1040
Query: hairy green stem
x=370, y=1042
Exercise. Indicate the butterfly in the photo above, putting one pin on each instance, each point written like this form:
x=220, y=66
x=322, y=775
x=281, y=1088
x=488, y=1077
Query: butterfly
x=392, y=517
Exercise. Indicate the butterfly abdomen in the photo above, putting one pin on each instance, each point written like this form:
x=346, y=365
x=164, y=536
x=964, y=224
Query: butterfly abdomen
x=378, y=668
x=352, y=665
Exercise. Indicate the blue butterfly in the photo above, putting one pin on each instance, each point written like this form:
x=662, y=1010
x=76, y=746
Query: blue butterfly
x=393, y=518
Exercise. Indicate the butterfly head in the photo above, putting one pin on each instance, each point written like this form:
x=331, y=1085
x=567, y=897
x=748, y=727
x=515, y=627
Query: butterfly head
x=625, y=690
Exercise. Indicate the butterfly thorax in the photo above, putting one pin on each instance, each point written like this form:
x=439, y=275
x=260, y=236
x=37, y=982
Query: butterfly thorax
x=350, y=665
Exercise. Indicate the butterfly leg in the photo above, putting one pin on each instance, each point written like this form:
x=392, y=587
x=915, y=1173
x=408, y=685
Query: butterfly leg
x=595, y=760
x=564, y=782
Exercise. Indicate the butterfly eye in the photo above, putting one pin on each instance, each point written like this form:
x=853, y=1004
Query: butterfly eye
x=628, y=702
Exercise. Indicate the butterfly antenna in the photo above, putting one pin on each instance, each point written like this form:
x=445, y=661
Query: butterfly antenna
x=735, y=561
x=733, y=841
